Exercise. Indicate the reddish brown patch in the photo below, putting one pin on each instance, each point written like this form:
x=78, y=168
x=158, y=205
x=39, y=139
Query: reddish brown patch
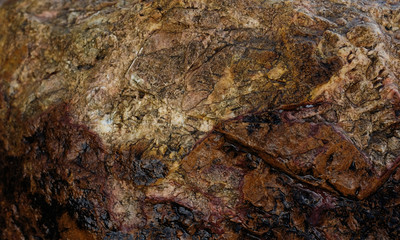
x=315, y=153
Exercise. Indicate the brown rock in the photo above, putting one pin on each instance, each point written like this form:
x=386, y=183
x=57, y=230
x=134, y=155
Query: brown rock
x=199, y=119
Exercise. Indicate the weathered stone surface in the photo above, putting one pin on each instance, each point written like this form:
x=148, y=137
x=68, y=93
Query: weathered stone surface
x=317, y=153
x=199, y=119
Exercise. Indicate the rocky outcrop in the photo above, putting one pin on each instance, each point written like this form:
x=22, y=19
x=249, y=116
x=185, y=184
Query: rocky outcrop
x=199, y=119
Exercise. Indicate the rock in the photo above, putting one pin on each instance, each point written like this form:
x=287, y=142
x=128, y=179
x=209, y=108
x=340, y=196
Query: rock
x=199, y=120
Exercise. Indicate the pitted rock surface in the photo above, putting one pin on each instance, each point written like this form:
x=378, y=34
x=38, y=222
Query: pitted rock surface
x=199, y=119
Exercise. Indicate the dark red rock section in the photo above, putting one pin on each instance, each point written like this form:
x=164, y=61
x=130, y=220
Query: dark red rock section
x=57, y=184
x=230, y=186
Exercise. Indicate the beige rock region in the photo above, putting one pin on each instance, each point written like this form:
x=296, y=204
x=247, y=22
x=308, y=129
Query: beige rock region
x=199, y=119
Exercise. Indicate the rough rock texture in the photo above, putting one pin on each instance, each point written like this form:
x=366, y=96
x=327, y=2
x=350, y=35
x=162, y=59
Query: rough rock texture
x=209, y=119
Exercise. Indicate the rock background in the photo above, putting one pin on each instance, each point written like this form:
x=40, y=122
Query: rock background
x=199, y=119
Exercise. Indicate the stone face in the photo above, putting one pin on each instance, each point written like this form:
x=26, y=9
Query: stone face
x=316, y=153
x=199, y=119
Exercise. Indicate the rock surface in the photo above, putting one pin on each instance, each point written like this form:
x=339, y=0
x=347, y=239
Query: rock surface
x=199, y=119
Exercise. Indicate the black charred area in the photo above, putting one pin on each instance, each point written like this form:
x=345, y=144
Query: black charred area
x=168, y=221
x=131, y=167
x=11, y=175
x=380, y=212
x=266, y=117
x=359, y=219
